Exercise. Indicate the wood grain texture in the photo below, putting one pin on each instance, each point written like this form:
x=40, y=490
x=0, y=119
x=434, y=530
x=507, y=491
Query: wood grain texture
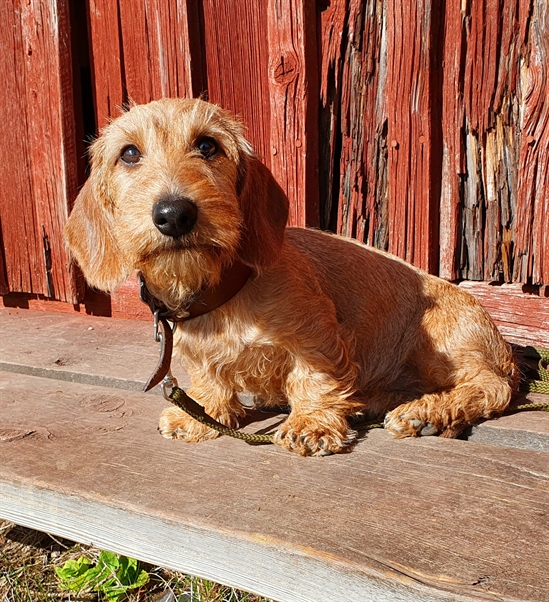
x=107, y=60
x=532, y=221
x=39, y=187
x=412, y=33
x=363, y=185
x=116, y=353
x=453, y=165
x=524, y=430
x=293, y=92
x=332, y=33
x=24, y=263
x=522, y=317
x=490, y=154
x=156, y=38
x=237, y=75
x=494, y=215
x=457, y=158
x=424, y=519
x=144, y=51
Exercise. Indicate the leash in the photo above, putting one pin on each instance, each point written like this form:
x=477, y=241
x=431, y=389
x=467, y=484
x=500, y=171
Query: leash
x=174, y=394
x=540, y=384
x=179, y=398
x=232, y=280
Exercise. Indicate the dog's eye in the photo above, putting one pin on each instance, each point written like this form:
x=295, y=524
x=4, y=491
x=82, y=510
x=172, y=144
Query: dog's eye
x=207, y=147
x=130, y=155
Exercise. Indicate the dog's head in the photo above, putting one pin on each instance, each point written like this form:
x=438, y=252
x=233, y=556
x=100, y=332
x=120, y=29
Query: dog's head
x=175, y=191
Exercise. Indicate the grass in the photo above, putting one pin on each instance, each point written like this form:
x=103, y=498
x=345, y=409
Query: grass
x=28, y=559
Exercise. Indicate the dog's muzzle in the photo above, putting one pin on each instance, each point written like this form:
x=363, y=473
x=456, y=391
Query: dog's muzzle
x=175, y=216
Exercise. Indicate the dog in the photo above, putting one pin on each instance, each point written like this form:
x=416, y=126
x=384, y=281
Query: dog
x=324, y=324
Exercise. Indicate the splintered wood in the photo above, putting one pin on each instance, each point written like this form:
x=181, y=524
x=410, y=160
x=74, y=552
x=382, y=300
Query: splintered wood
x=439, y=117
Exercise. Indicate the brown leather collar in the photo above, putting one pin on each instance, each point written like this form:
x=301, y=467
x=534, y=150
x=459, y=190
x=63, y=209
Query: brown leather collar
x=232, y=281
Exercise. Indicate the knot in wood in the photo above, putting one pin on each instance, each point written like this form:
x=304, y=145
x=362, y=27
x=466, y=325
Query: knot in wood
x=285, y=69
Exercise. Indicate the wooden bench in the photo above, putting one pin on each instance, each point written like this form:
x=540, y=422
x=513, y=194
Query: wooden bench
x=422, y=519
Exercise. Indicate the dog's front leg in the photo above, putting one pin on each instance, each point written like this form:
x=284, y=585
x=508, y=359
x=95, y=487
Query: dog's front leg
x=218, y=401
x=320, y=402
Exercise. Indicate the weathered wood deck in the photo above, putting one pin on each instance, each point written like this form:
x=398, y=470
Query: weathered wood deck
x=424, y=519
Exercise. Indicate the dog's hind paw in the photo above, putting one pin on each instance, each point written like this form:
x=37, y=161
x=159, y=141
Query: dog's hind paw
x=404, y=423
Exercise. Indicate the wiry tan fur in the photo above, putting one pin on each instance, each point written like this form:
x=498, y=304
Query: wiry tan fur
x=326, y=324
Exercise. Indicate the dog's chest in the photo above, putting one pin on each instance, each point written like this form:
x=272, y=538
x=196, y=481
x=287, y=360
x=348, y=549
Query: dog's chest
x=258, y=369
x=248, y=362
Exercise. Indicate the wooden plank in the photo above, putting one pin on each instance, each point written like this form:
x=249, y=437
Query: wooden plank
x=272, y=87
x=423, y=519
x=363, y=183
x=522, y=317
x=523, y=430
x=412, y=72
x=94, y=303
x=532, y=219
x=489, y=156
x=467, y=135
x=53, y=166
x=494, y=212
x=124, y=303
x=245, y=91
x=332, y=28
x=115, y=353
x=106, y=57
x=42, y=136
x=162, y=57
x=24, y=263
x=453, y=167
x=293, y=92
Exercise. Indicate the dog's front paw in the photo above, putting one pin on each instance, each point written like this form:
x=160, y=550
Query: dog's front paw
x=308, y=436
x=176, y=424
x=407, y=422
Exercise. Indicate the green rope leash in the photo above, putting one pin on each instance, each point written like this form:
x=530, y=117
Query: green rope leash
x=196, y=411
x=541, y=384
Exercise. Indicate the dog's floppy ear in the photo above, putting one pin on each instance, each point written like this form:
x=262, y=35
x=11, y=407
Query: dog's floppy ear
x=89, y=232
x=264, y=207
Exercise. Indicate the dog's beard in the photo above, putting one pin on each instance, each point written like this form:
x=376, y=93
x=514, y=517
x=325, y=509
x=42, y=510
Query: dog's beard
x=177, y=275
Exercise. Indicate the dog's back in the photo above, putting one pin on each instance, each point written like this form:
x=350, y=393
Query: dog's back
x=414, y=334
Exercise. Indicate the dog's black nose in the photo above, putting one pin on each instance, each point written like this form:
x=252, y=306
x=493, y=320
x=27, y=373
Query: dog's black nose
x=174, y=216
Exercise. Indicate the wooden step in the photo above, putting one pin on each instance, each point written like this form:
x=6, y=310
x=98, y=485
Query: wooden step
x=524, y=430
x=90, y=350
x=414, y=519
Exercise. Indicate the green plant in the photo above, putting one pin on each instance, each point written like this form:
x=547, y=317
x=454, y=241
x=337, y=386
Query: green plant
x=111, y=577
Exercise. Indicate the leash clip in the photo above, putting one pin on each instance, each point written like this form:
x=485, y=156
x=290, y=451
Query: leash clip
x=168, y=384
